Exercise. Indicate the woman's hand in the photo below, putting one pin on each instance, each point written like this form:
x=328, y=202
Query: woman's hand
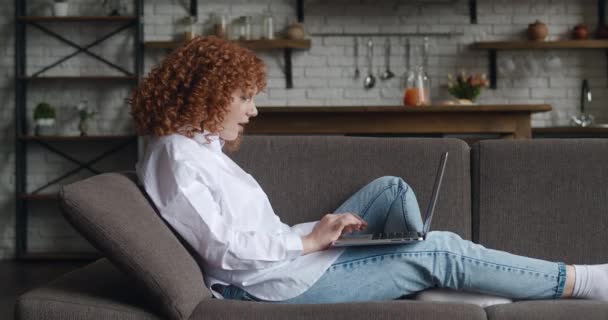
x=329, y=229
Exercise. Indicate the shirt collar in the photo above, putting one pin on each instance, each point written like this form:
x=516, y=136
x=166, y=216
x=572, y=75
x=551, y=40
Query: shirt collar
x=215, y=144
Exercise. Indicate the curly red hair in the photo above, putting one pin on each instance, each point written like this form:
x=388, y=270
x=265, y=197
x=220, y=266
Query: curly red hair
x=191, y=89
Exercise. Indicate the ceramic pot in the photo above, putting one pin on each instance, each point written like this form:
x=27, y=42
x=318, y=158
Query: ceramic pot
x=465, y=101
x=537, y=31
x=60, y=9
x=45, y=127
x=580, y=32
x=296, y=31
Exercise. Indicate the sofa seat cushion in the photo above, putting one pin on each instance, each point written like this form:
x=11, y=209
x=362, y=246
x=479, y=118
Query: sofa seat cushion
x=101, y=291
x=447, y=295
x=97, y=291
x=550, y=309
x=398, y=309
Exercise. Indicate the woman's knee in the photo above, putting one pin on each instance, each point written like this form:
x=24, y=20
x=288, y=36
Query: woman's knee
x=442, y=240
x=391, y=181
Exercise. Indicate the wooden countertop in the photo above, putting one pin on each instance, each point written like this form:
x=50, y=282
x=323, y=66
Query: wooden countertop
x=508, y=121
x=571, y=129
x=434, y=108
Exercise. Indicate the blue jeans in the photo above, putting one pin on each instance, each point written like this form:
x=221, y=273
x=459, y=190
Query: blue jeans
x=443, y=260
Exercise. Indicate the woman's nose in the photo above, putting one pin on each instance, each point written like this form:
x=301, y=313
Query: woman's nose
x=254, y=111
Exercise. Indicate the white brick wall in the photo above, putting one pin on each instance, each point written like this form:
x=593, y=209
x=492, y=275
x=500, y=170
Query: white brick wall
x=322, y=75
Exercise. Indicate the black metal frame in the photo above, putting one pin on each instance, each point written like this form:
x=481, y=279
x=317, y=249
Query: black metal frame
x=81, y=164
x=21, y=86
x=84, y=49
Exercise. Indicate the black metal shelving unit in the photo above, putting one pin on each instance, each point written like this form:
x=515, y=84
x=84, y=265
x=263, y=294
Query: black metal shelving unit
x=115, y=143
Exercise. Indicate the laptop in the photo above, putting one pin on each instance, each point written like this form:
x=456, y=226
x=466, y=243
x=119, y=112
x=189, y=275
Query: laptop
x=366, y=239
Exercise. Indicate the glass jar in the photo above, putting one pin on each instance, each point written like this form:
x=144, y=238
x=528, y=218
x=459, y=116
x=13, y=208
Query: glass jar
x=268, y=26
x=220, y=25
x=242, y=28
x=416, y=88
x=188, y=25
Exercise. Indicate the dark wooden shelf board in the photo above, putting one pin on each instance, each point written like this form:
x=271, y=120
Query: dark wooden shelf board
x=251, y=44
x=77, y=19
x=78, y=138
x=41, y=197
x=276, y=44
x=525, y=44
x=79, y=78
x=60, y=256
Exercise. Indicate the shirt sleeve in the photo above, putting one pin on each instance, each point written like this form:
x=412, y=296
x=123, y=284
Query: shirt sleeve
x=195, y=214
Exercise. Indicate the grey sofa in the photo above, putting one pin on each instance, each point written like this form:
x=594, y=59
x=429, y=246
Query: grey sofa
x=542, y=198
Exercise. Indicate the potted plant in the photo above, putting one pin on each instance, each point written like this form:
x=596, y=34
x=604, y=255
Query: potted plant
x=44, y=119
x=60, y=8
x=466, y=88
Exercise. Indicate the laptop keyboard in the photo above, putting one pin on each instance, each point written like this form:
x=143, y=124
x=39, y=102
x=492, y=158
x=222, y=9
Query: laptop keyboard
x=392, y=235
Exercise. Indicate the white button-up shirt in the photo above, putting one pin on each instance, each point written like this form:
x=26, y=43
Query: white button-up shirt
x=226, y=217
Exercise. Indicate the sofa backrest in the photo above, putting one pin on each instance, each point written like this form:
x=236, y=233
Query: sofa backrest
x=308, y=176
x=111, y=211
x=544, y=198
x=304, y=177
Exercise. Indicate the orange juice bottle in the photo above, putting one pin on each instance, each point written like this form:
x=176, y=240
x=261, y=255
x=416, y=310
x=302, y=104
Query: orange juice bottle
x=416, y=92
x=414, y=97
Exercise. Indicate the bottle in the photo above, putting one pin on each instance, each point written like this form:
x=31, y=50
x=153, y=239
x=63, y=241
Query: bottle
x=243, y=28
x=268, y=26
x=416, y=91
x=220, y=25
x=425, y=66
x=189, y=27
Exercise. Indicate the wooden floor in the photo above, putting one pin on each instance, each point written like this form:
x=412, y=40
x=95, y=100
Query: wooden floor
x=19, y=277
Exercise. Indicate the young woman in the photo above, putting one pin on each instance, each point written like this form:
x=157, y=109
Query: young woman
x=196, y=103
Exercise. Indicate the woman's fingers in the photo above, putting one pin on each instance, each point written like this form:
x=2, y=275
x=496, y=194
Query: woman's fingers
x=350, y=223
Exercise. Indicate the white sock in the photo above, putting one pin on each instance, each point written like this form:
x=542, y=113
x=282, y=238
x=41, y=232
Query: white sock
x=591, y=282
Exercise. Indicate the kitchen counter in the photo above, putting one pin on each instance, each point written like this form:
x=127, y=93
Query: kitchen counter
x=597, y=131
x=508, y=121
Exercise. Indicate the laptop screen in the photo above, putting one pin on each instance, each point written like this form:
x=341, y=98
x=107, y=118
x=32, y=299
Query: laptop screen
x=435, y=195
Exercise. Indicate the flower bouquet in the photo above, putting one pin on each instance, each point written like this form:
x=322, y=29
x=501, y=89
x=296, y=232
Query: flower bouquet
x=466, y=88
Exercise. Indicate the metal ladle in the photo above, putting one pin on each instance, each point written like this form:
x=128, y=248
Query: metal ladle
x=387, y=74
x=356, y=53
x=370, y=80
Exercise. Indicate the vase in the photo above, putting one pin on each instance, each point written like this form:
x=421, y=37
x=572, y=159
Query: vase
x=296, y=31
x=538, y=31
x=83, y=126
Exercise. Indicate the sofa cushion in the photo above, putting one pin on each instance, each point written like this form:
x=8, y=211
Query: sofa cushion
x=543, y=198
x=111, y=211
x=401, y=309
x=96, y=291
x=308, y=176
x=449, y=295
x=549, y=309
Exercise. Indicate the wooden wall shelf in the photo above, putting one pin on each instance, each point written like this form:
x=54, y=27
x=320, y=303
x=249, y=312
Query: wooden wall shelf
x=77, y=138
x=530, y=45
x=494, y=46
x=77, y=19
x=80, y=78
x=71, y=256
x=285, y=44
x=39, y=196
x=251, y=44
